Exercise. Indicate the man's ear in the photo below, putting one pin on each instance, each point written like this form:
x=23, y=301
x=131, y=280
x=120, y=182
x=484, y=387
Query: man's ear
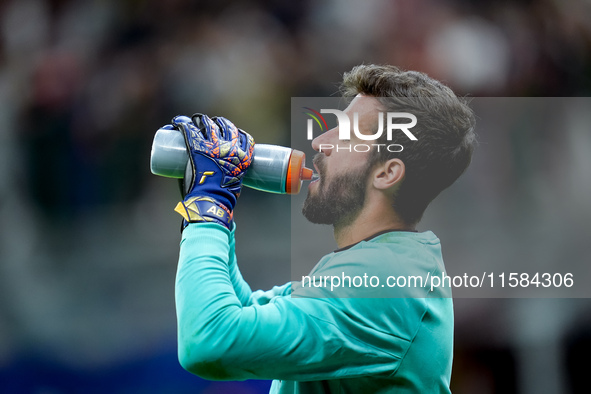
x=388, y=174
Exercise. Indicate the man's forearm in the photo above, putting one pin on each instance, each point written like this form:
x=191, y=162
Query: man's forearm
x=206, y=301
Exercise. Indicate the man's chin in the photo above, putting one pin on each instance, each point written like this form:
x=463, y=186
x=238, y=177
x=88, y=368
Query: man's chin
x=337, y=202
x=317, y=219
x=313, y=210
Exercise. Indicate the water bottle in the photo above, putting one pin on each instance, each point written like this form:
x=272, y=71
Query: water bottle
x=274, y=169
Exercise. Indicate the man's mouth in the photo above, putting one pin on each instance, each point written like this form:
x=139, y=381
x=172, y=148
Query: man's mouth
x=318, y=164
x=317, y=174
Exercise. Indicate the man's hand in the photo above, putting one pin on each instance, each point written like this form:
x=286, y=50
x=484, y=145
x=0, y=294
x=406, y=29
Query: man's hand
x=219, y=156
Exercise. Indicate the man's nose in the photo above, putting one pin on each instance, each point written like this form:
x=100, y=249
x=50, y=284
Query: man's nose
x=325, y=142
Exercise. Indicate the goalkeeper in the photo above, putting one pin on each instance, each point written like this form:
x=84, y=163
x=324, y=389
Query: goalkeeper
x=310, y=339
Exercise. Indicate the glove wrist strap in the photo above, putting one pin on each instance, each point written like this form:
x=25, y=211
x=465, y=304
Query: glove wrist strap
x=204, y=209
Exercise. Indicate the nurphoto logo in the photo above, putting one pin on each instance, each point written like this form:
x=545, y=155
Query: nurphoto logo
x=345, y=128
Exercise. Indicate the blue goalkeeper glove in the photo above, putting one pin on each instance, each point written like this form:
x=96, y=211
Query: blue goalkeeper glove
x=219, y=155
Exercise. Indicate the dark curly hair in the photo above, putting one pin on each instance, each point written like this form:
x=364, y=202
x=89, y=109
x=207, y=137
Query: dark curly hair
x=444, y=131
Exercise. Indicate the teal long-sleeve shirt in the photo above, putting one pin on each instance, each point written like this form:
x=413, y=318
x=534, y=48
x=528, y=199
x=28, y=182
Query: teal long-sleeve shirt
x=316, y=339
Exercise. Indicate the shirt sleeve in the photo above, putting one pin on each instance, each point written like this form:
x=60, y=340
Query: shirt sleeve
x=286, y=338
x=243, y=291
x=241, y=288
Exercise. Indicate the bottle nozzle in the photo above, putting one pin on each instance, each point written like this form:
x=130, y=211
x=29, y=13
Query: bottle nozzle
x=307, y=174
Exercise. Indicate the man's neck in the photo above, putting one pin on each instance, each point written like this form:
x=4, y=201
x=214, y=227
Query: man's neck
x=366, y=224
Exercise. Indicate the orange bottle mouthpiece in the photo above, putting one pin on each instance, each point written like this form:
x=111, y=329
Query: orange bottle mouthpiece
x=307, y=174
x=297, y=172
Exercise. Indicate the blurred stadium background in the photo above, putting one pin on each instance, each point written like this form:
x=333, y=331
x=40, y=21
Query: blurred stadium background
x=89, y=241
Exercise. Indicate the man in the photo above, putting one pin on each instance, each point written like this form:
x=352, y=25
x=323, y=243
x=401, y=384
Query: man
x=309, y=338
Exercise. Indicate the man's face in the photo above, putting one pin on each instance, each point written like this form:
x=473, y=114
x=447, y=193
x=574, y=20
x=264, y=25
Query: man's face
x=338, y=195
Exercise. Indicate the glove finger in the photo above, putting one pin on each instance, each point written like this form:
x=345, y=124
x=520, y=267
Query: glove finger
x=193, y=136
x=246, y=142
x=177, y=120
x=208, y=127
x=185, y=124
x=228, y=129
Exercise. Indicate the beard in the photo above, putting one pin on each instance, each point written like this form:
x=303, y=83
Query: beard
x=339, y=200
